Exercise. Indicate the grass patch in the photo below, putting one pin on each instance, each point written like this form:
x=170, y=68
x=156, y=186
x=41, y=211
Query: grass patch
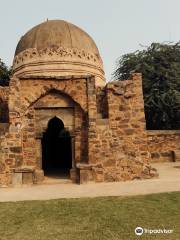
x=107, y=218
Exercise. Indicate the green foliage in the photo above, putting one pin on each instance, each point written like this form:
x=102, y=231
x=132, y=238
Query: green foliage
x=4, y=74
x=160, y=67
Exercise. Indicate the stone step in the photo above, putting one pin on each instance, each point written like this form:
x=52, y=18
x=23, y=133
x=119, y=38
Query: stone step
x=51, y=180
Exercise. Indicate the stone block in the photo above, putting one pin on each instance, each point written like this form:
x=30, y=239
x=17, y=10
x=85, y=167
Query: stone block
x=73, y=175
x=155, y=155
x=2, y=167
x=129, y=131
x=38, y=176
x=16, y=149
x=27, y=178
x=17, y=179
x=83, y=176
x=110, y=162
x=99, y=175
x=126, y=176
x=9, y=161
x=110, y=175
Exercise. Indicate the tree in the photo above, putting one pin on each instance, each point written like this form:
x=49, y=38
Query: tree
x=160, y=67
x=4, y=74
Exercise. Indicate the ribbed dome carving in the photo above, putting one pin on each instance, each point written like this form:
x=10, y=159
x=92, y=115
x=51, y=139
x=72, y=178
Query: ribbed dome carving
x=57, y=47
x=57, y=33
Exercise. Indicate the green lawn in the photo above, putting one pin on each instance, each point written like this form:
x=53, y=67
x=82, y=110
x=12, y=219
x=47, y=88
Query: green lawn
x=108, y=218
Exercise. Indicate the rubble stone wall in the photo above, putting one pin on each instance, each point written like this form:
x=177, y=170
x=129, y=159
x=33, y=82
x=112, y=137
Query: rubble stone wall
x=118, y=144
x=107, y=125
x=163, y=145
x=19, y=143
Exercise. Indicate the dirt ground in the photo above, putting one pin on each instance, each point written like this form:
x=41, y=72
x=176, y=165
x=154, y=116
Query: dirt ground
x=168, y=181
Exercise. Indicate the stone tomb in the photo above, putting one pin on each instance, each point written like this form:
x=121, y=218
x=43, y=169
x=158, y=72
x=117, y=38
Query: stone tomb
x=61, y=116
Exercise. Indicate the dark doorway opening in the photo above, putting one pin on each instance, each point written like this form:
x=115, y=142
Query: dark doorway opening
x=56, y=150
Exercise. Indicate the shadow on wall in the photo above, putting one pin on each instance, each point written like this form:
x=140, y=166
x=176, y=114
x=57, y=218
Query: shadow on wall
x=4, y=111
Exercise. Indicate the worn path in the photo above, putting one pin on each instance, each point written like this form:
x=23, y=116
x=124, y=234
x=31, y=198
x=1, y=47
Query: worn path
x=168, y=181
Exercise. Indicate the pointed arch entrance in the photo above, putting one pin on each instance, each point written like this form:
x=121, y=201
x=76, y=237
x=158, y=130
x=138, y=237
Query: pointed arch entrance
x=56, y=149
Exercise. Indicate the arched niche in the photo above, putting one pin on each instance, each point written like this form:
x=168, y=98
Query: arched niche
x=59, y=105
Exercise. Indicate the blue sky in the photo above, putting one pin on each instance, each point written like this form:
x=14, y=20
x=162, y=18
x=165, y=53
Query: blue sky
x=117, y=26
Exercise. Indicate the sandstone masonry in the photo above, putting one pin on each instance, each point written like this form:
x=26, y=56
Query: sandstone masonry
x=107, y=126
x=58, y=77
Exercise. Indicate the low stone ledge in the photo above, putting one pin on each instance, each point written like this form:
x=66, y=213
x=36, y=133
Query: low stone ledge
x=23, y=175
x=84, y=166
x=87, y=166
x=24, y=169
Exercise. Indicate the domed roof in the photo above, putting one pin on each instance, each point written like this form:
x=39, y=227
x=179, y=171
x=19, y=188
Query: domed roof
x=57, y=48
x=55, y=33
